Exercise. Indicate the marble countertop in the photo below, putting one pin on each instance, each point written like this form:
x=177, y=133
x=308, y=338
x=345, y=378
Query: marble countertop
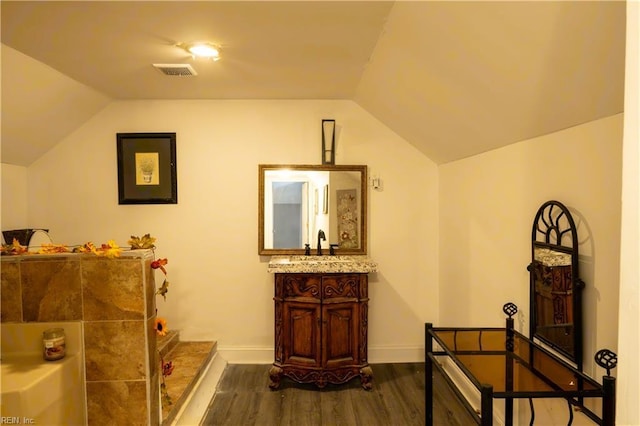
x=322, y=264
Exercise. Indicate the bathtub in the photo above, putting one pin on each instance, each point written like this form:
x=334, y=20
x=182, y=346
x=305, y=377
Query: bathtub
x=37, y=391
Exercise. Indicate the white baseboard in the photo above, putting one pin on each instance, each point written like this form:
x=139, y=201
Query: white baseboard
x=247, y=354
x=395, y=354
x=470, y=392
x=377, y=355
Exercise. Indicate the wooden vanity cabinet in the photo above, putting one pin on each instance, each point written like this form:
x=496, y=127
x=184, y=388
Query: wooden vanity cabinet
x=321, y=328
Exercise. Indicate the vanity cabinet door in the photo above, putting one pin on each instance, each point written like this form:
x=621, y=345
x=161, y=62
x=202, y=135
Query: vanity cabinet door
x=302, y=338
x=340, y=334
x=340, y=320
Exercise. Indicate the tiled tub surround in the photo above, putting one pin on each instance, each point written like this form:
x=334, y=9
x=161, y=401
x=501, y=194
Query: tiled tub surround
x=46, y=392
x=114, y=301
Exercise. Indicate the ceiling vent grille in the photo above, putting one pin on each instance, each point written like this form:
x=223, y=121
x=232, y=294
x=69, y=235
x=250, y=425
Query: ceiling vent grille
x=176, y=69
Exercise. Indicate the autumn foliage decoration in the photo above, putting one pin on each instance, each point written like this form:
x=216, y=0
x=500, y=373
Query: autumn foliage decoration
x=109, y=249
x=148, y=242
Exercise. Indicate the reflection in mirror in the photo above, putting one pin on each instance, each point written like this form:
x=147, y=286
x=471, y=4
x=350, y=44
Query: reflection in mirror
x=556, y=303
x=553, y=292
x=296, y=202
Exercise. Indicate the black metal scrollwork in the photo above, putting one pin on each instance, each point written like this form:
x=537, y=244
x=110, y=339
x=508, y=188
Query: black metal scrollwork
x=606, y=359
x=510, y=309
x=550, y=223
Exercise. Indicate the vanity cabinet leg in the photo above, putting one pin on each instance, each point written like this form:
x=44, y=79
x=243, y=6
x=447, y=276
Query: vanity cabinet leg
x=366, y=376
x=275, y=374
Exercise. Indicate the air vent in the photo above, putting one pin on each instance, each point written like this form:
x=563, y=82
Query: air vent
x=176, y=69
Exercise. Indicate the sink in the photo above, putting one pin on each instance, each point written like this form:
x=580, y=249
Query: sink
x=327, y=264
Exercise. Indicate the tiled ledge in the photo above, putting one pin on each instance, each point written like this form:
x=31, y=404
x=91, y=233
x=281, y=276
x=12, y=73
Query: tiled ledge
x=190, y=360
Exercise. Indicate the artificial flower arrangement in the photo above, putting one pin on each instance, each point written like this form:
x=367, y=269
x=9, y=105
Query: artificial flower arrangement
x=111, y=250
x=147, y=242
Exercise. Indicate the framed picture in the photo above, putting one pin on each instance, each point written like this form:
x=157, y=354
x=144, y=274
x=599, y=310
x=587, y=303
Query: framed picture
x=147, y=168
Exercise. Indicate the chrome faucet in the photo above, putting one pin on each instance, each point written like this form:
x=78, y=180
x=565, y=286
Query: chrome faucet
x=323, y=238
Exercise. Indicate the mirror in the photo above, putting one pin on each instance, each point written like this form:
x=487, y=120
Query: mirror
x=556, y=303
x=295, y=202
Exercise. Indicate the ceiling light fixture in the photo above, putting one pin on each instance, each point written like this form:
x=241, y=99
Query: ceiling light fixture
x=201, y=50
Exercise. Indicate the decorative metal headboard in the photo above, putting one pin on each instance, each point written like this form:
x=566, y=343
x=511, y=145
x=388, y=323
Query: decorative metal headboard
x=555, y=285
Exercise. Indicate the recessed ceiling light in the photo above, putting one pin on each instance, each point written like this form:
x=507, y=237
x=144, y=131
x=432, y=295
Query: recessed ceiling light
x=201, y=50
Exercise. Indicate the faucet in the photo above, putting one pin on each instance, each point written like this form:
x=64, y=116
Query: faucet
x=323, y=238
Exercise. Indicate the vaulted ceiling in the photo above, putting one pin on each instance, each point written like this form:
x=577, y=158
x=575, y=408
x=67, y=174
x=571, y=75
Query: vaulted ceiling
x=452, y=78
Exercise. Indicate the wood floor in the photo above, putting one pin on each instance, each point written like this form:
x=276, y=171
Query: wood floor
x=243, y=398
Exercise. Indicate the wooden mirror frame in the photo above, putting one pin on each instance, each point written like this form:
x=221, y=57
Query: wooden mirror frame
x=362, y=226
x=555, y=230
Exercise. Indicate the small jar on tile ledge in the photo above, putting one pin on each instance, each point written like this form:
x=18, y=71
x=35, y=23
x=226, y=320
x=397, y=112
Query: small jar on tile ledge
x=54, y=345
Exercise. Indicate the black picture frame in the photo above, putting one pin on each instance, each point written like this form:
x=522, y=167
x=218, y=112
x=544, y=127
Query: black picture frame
x=147, y=171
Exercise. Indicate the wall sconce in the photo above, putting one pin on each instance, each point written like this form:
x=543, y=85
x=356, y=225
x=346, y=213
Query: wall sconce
x=328, y=141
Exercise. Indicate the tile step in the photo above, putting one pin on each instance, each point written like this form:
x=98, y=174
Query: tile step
x=190, y=360
x=167, y=343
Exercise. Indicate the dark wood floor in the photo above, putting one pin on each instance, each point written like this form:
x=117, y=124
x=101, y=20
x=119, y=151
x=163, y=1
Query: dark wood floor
x=243, y=398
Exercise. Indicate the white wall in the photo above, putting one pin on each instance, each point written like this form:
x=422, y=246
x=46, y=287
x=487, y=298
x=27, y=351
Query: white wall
x=14, y=197
x=219, y=288
x=487, y=206
x=628, y=409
